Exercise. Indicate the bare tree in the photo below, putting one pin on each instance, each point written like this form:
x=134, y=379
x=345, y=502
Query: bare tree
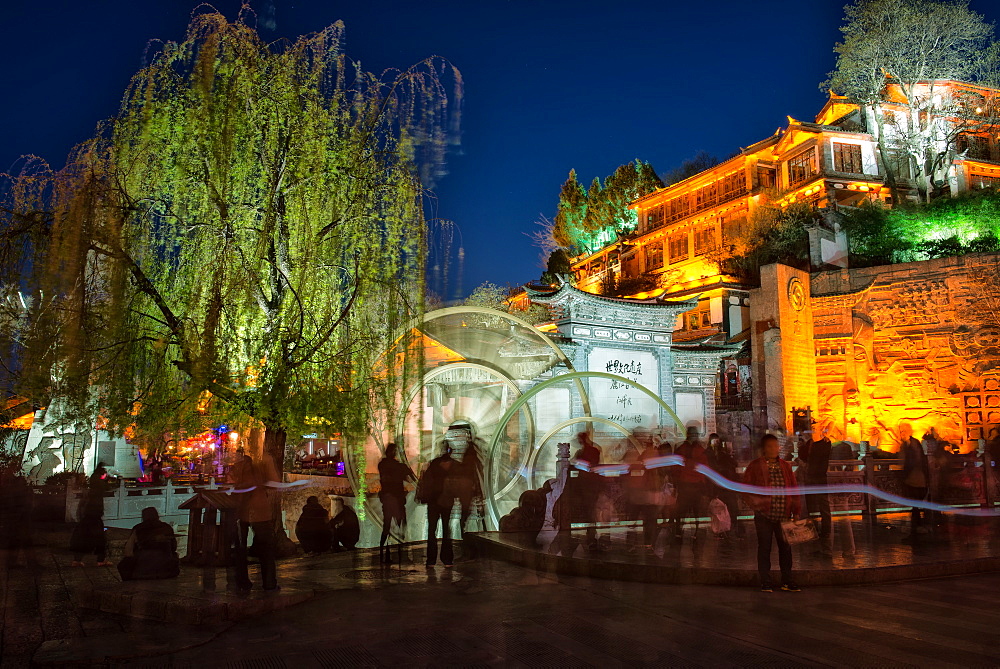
x=897, y=53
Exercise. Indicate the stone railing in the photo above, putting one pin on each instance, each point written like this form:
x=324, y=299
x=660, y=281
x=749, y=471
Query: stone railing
x=967, y=480
x=123, y=506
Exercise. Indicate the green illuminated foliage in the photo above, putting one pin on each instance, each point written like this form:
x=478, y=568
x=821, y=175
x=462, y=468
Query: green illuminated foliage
x=950, y=226
x=249, y=224
x=590, y=219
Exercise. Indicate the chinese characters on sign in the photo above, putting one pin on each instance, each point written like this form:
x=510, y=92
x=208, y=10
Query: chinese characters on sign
x=617, y=400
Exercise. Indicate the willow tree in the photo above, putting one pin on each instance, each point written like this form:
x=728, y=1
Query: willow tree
x=247, y=231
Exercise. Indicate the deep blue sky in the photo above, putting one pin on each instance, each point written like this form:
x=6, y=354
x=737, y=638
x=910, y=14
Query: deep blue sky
x=549, y=85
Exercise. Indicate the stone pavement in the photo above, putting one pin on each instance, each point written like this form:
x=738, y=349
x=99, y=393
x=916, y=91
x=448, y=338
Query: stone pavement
x=881, y=552
x=510, y=615
x=493, y=614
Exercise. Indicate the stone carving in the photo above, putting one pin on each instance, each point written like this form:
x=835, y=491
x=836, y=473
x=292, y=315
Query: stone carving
x=916, y=352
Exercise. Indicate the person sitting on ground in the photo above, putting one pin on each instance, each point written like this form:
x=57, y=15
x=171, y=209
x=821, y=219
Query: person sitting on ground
x=345, y=526
x=151, y=550
x=313, y=529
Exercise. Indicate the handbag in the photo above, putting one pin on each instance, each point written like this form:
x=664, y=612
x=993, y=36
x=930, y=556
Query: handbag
x=721, y=522
x=799, y=531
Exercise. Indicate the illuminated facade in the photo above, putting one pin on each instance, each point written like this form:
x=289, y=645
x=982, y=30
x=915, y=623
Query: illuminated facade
x=810, y=349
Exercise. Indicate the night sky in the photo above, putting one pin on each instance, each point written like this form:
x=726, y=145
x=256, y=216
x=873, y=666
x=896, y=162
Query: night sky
x=549, y=86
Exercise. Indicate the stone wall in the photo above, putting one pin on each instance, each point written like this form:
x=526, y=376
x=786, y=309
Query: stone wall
x=782, y=347
x=914, y=343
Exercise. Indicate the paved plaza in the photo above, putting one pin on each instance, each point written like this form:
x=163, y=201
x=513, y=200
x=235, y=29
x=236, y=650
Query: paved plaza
x=345, y=610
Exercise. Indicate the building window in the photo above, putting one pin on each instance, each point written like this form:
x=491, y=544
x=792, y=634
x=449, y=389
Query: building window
x=704, y=240
x=732, y=229
x=732, y=186
x=847, y=158
x=706, y=319
x=801, y=167
x=679, y=247
x=889, y=117
x=984, y=181
x=766, y=177
x=654, y=217
x=630, y=266
x=694, y=321
x=974, y=146
x=654, y=256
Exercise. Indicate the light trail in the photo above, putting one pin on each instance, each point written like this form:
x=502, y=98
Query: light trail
x=723, y=482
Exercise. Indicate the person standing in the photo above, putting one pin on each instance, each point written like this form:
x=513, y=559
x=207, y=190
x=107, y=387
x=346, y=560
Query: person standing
x=88, y=536
x=431, y=491
x=392, y=475
x=585, y=489
x=916, y=476
x=256, y=512
x=690, y=484
x=816, y=457
x=721, y=459
x=770, y=511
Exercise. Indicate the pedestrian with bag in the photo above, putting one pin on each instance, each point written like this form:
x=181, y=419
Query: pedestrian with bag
x=689, y=483
x=815, y=455
x=771, y=511
x=721, y=459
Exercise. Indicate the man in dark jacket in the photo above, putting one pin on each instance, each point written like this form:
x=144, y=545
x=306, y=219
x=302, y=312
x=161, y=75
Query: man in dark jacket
x=770, y=511
x=392, y=475
x=431, y=491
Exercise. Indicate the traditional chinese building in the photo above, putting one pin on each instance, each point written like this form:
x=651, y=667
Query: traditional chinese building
x=811, y=332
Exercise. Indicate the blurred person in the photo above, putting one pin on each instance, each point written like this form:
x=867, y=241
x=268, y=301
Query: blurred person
x=257, y=507
x=644, y=491
x=993, y=447
x=586, y=488
x=345, y=526
x=916, y=476
x=464, y=481
x=151, y=550
x=690, y=484
x=312, y=528
x=431, y=491
x=16, y=501
x=770, y=511
x=392, y=475
x=721, y=459
x=815, y=455
x=88, y=539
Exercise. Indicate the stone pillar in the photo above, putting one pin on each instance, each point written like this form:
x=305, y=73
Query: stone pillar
x=783, y=350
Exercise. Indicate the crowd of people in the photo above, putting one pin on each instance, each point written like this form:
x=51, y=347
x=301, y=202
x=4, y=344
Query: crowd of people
x=662, y=499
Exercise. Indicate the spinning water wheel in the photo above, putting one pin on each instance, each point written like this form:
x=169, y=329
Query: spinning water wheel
x=476, y=362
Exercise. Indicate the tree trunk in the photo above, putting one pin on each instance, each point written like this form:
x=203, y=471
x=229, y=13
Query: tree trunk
x=274, y=445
